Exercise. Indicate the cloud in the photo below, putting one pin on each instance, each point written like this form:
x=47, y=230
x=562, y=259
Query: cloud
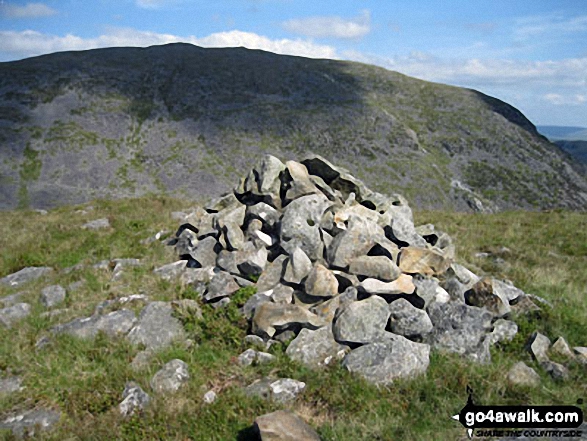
x=531, y=27
x=30, y=10
x=565, y=100
x=335, y=27
x=15, y=44
x=151, y=4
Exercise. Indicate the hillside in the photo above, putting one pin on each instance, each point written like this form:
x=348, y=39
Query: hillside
x=569, y=133
x=577, y=149
x=185, y=121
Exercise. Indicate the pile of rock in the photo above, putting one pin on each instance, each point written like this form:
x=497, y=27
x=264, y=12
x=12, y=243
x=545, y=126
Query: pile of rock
x=341, y=272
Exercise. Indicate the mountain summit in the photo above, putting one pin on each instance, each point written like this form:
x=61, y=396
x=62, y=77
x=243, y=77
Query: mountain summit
x=185, y=120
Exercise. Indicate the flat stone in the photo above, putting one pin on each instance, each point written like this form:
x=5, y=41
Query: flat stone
x=171, y=377
x=272, y=274
x=10, y=385
x=384, y=361
x=538, y=346
x=424, y=261
x=363, y=321
x=377, y=267
x=97, y=224
x=15, y=313
x=298, y=267
x=156, y=327
x=30, y=423
x=271, y=317
x=113, y=324
x=407, y=320
x=280, y=391
x=522, y=375
x=283, y=425
x=53, y=295
x=321, y=282
x=171, y=270
x=205, y=251
x=265, y=213
x=315, y=348
x=25, y=275
x=134, y=399
x=402, y=285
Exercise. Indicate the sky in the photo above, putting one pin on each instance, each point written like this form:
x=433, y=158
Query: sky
x=529, y=53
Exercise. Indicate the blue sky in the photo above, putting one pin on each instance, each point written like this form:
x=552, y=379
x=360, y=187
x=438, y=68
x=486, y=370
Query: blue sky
x=529, y=53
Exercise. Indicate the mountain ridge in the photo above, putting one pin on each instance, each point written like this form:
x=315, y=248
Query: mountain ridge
x=184, y=120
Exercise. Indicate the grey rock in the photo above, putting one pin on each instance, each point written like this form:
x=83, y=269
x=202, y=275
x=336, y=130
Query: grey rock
x=360, y=236
x=233, y=236
x=53, y=295
x=321, y=282
x=171, y=270
x=280, y=391
x=581, y=354
x=97, y=224
x=112, y=324
x=384, y=361
x=272, y=274
x=223, y=202
x=562, y=348
x=407, y=320
x=13, y=299
x=430, y=291
x=221, y=285
x=378, y=267
x=134, y=399
x=328, y=308
x=264, y=357
x=283, y=425
x=315, y=348
x=337, y=178
x=30, y=423
x=271, y=317
x=265, y=213
x=156, y=327
x=282, y=294
x=171, y=377
x=251, y=356
x=507, y=291
x=403, y=230
x=15, y=313
x=300, y=225
x=464, y=275
x=186, y=243
x=255, y=341
x=209, y=397
x=198, y=277
x=255, y=301
x=284, y=337
x=503, y=330
x=252, y=262
x=223, y=302
x=228, y=261
x=10, y=385
x=522, y=375
x=556, y=370
x=25, y=275
x=538, y=346
x=483, y=294
x=525, y=306
x=363, y=321
x=133, y=298
x=298, y=267
x=205, y=252
x=299, y=181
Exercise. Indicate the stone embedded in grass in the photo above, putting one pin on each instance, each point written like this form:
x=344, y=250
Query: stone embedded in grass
x=15, y=313
x=52, y=295
x=280, y=391
x=581, y=353
x=362, y=322
x=314, y=348
x=383, y=361
x=209, y=397
x=283, y=425
x=538, y=346
x=171, y=270
x=13, y=299
x=113, y=324
x=251, y=356
x=556, y=370
x=97, y=224
x=503, y=330
x=171, y=377
x=30, y=423
x=561, y=347
x=522, y=375
x=141, y=360
x=156, y=327
x=25, y=275
x=10, y=385
x=134, y=399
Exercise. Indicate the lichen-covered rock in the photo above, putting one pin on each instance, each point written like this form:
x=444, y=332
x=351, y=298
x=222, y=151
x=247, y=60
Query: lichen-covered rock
x=503, y=330
x=321, y=282
x=363, y=321
x=315, y=348
x=25, y=275
x=15, y=313
x=484, y=295
x=156, y=327
x=170, y=377
x=409, y=321
x=134, y=399
x=283, y=425
x=53, y=295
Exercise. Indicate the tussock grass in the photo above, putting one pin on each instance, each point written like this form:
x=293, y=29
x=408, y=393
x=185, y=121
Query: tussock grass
x=85, y=379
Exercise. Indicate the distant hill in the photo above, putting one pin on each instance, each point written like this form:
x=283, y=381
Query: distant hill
x=555, y=133
x=187, y=121
x=577, y=149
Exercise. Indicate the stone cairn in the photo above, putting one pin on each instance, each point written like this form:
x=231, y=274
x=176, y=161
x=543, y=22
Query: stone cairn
x=341, y=273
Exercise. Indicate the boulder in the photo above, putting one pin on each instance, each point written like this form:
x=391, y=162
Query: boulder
x=424, y=261
x=25, y=275
x=15, y=313
x=113, y=324
x=357, y=240
x=377, y=267
x=53, y=295
x=170, y=377
x=299, y=181
x=407, y=320
x=321, y=282
x=315, y=348
x=363, y=321
x=156, y=327
x=283, y=425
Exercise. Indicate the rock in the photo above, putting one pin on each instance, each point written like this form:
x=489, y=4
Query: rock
x=327, y=310
x=133, y=298
x=360, y=236
x=298, y=267
x=299, y=181
x=280, y=391
x=538, y=346
x=507, y=291
x=205, y=252
x=315, y=348
x=10, y=385
x=256, y=341
x=522, y=375
x=97, y=224
x=248, y=309
x=429, y=290
x=525, y=306
x=223, y=202
x=300, y=225
x=171, y=377
x=171, y=270
x=561, y=347
x=209, y=397
x=283, y=425
x=407, y=320
x=251, y=356
x=264, y=357
x=282, y=294
x=402, y=285
x=581, y=353
x=25, y=275
x=156, y=327
x=423, y=261
x=383, y=361
x=336, y=177
x=268, y=215
x=134, y=399
x=252, y=262
x=321, y=282
x=272, y=274
x=271, y=317
x=221, y=285
x=30, y=423
x=52, y=295
x=13, y=299
x=483, y=295
x=503, y=330
x=377, y=267
x=187, y=307
x=233, y=236
x=15, y=313
x=141, y=360
x=404, y=232
x=556, y=370
x=112, y=324
x=363, y=321
x=464, y=275
x=460, y=329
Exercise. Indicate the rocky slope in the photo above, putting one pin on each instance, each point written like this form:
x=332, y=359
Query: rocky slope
x=186, y=120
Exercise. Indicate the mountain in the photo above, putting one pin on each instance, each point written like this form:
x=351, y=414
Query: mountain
x=187, y=121
x=567, y=133
x=577, y=149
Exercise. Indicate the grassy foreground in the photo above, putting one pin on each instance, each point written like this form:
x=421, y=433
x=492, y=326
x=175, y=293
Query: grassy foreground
x=547, y=256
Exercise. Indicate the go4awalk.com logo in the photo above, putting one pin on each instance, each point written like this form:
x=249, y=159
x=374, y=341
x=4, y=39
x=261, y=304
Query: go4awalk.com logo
x=518, y=421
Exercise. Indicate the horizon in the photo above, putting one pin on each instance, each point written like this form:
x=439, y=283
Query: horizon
x=530, y=55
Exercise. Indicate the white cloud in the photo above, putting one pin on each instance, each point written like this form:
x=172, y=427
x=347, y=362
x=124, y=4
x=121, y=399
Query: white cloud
x=30, y=10
x=29, y=43
x=336, y=27
x=565, y=100
x=531, y=27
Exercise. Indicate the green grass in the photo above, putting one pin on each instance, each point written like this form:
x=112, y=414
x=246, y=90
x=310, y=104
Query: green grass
x=85, y=379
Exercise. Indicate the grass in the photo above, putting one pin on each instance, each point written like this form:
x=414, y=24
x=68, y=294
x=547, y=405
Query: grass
x=85, y=379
